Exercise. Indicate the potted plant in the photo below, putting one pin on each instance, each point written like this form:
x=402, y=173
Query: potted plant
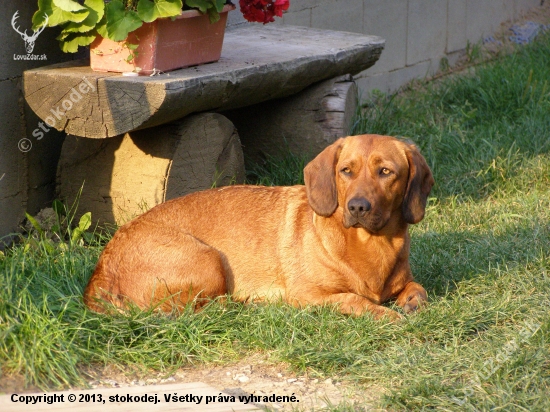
x=147, y=36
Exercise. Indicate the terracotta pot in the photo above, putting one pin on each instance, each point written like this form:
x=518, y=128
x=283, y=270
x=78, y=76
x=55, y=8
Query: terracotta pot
x=164, y=45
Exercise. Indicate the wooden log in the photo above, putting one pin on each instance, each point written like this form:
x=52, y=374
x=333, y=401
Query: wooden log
x=304, y=123
x=126, y=175
x=258, y=63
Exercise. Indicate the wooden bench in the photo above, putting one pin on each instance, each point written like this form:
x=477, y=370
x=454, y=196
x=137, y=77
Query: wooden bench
x=138, y=141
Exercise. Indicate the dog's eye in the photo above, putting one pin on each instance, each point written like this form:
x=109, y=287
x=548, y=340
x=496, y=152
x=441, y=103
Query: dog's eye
x=385, y=171
x=346, y=171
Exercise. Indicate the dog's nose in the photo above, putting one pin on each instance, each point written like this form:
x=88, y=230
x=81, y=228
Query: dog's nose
x=358, y=206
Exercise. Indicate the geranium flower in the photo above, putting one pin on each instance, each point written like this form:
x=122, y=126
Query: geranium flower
x=263, y=11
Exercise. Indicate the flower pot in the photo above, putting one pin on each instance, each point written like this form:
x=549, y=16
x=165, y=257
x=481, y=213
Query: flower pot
x=164, y=44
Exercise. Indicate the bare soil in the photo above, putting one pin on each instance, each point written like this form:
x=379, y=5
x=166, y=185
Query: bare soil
x=251, y=375
x=254, y=375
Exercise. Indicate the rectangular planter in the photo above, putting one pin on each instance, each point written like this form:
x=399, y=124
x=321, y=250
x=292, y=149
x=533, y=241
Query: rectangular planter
x=164, y=45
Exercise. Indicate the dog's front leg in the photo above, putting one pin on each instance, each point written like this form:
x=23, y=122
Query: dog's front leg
x=352, y=304
x=412, y=297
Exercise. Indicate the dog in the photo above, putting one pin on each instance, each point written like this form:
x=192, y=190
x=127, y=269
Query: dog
x=341, y=239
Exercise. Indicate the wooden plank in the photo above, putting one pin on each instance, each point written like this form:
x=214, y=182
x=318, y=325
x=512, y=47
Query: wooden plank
x=105, y=399
x=258, y=63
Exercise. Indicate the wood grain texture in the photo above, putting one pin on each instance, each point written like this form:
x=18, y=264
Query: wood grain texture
x=126, y=175
x=304, y=123
x=258, y=63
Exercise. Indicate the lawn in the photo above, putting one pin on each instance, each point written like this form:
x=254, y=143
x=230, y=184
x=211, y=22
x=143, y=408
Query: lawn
x=482, y=253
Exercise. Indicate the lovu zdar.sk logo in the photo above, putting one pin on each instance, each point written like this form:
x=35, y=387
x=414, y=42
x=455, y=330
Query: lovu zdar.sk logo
x=29, y=40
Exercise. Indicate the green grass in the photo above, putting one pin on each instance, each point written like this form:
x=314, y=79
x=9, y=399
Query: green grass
x=482, y=252
x=278, y=171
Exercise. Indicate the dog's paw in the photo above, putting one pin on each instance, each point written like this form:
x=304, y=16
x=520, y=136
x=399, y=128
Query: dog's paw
x=414, y=302
x=390, y=314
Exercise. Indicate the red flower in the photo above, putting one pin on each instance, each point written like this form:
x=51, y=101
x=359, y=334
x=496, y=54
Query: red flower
x=262, y=11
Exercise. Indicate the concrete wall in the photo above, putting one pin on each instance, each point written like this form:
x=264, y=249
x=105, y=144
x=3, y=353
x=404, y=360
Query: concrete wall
x=418, y=33
x=27, y=179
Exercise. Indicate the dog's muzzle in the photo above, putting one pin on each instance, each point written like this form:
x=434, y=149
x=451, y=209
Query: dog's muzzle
x=360, y=214
x=358, y=207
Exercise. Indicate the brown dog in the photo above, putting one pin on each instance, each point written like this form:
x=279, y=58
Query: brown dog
x=341, y=239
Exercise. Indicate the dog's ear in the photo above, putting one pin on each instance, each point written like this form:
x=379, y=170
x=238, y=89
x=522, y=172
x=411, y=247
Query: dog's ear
x=418, y=187
x=320, y=180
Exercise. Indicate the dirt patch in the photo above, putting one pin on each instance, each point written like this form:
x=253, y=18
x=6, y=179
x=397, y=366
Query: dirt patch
x=251, y=375
x=254, y=375
x=15, y=384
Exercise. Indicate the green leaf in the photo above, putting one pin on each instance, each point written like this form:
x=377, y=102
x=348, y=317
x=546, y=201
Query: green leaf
x=83, y=225
x=69, y=42
x=88, y=237
x=62, y=36
x=201, y=5
x=59, y=208
x=85, y=221
x=76, y=235
x=213, y=15
x=97, y=5
x=212, y=7
x=120, y=21
x=56, y=15
x=68, y=5
x=48, y=245
x=101, y=27
x=96, y=10
x=35, y=224
x=149, y=10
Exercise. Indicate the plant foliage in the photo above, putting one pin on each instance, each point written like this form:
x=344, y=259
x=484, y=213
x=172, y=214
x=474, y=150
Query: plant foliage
x=115, y=19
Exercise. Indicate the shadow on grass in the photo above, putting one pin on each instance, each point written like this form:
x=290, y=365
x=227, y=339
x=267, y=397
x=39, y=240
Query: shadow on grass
x=440, y=261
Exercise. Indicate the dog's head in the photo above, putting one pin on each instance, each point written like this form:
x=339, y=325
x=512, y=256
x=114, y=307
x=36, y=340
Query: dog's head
x=372, y=178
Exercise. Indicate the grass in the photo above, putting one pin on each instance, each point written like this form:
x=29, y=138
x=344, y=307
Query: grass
x=482, y=252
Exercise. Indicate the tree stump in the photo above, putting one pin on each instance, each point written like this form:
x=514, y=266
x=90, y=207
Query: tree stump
x=304, y=123
x=126, y=175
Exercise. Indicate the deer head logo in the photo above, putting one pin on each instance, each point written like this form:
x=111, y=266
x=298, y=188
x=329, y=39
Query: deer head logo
x=29, y=40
